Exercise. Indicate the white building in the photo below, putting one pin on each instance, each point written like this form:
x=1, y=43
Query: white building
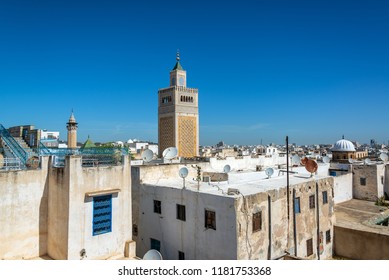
x=244, y=217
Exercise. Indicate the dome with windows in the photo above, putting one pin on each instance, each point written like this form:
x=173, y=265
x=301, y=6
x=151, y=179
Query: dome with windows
x=343, y=145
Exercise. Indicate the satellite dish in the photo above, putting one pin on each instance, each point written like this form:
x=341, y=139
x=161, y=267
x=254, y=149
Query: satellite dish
x=350, y=160
x=326, y=159
x=367, y=161
x=311, y=166
x=227, y=168
x=170, y=153
x=295, y=160
x=384, y=157
x=269, y=171
x=183, y=172
x=152, y=255
x=147, y=155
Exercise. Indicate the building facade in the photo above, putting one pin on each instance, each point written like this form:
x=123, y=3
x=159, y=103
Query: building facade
x=245, y=217
x=178, y=115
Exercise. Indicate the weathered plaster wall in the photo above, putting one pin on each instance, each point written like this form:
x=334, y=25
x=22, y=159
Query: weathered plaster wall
x=23, y=213
x=361, y=245
x=255, y=245
x=343, y=187
x=190, y=236
x=71, y=210
x=373, y=188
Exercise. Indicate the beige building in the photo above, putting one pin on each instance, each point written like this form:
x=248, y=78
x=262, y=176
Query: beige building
x=178, y=115
x=69, y=212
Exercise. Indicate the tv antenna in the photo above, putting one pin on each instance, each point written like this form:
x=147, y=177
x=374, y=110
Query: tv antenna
x=384, y=157
x=226, y=169
x=170, y=153
x=152, y=255
x=147, y=155
x=310, y=165
x=269, y=172
x=183, y=172
x=295, y=160
x=326, y=159
x=367, y=161
x=351, y=161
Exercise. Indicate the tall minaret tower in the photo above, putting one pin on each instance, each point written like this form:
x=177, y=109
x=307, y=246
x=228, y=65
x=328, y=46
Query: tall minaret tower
x=178, y=115
x=72, y=132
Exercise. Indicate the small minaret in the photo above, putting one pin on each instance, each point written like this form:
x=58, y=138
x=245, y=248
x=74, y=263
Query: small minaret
x=72, y=132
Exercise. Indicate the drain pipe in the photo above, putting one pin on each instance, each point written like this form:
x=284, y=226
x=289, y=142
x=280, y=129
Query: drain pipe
x=294, y=223
x=317, y=221
x=269, y=221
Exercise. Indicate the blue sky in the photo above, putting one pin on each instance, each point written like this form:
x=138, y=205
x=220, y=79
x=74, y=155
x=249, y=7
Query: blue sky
x=312, y=70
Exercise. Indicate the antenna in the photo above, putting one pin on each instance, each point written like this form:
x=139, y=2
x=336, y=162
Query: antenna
x=269, y=172
x=311, y=166
x=227, y=168
x=295, y=160
x=367, y=161
x=147, y=155
x=170, y=153
x=326, y=159
x=183, y=172
x=350, y=160
x=152, y=255
x=384, y=157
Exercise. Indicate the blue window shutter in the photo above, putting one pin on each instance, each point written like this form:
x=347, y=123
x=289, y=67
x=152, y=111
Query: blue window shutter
x=102, y=214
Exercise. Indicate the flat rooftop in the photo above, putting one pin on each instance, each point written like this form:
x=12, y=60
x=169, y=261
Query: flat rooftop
x=361, y=215
x=247, y=182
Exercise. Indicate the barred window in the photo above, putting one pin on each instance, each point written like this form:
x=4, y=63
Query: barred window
x=309, y=247
x=157, y=207
x=181, y=212
x=328, y=236
x=257, y=221
x=362, y=181
x=210, y=219
x=311, y=201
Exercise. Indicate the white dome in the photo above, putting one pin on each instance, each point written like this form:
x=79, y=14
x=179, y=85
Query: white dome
x=343, y=145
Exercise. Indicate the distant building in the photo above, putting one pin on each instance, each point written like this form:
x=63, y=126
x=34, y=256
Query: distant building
x=178, y=115
x=72, y=132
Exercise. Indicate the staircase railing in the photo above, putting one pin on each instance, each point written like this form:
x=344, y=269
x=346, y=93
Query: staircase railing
x=17, y=150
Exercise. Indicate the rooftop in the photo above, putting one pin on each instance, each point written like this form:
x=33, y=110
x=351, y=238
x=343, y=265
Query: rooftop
x=247, y=182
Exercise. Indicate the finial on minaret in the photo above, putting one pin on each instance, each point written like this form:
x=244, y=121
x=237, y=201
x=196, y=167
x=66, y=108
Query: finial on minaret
x=178, y=55
x=343, y=136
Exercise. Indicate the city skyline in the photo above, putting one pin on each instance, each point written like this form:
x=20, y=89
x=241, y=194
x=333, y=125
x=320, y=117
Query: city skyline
x=264, y=69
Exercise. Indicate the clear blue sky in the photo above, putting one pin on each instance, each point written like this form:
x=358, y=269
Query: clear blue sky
x=312, y=70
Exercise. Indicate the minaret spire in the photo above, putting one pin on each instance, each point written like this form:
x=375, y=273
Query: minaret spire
x=178, y=55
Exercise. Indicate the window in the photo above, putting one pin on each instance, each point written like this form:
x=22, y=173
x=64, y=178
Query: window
x=382, y=180
x=257, y=221
x=311, y=201
x=102, y=214
x=297, y=205
x=325, y=197
x=135, y=230
x=309, y=247
x=181, y=212
x=181, y=255
x=328, y=236
x=155, y=244
x=210, y=219
x=362, y=181
x=157, y=207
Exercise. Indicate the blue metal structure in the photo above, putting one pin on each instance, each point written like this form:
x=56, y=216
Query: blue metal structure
x=10, y=142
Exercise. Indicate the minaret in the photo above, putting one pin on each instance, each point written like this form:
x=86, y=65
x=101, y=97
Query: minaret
x=72, y=132
x=178, y=115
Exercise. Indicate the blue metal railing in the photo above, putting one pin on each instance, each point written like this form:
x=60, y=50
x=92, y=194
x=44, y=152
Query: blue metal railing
x=17, y=150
